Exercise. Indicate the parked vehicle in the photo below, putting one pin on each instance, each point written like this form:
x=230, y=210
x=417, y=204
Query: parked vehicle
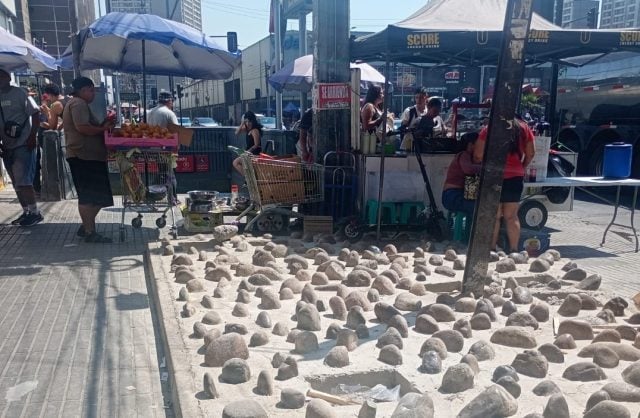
x=185, y=122
x=205, y=122
x=268, y=122
x=599, y=103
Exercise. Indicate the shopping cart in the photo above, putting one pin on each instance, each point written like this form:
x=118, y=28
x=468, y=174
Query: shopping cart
x=147, y=180
x=274, y=186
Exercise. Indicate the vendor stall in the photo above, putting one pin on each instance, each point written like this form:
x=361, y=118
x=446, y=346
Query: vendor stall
x=403, y=184
x=459, y=32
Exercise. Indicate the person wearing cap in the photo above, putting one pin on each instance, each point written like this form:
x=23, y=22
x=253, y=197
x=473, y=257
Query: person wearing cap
x=411, y=116
x=163, y=114
x=87, y=157
x=19, y=120
x=164, y=117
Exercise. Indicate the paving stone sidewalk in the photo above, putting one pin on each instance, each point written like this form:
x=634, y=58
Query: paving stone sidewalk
x=76, y=324
x=578, y=234
x=77, y=327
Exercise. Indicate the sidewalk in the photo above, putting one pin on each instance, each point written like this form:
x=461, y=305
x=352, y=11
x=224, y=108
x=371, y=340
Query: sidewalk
x=578, y=234
x=77, y=330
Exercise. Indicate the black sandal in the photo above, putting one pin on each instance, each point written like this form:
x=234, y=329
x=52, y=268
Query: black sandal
x=97, y=238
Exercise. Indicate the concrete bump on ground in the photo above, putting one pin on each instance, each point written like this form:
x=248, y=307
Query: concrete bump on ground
x=274, y=372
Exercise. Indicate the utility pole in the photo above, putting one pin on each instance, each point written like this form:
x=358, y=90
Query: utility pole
x=302, y=36
x=555, y=70
x=278, y=42
x=331, y=127
x=510, y=74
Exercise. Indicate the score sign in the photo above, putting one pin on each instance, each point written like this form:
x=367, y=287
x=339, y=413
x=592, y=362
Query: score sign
x=332, y=96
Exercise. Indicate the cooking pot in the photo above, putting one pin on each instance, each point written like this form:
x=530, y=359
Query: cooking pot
x=202, y=195
x=157, y=192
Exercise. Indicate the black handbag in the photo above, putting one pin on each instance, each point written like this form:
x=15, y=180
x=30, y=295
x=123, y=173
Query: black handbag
x=12, y=129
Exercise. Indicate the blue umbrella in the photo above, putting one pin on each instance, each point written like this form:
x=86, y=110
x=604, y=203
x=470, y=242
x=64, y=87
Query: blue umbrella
x=142, y=43
x=17, y=54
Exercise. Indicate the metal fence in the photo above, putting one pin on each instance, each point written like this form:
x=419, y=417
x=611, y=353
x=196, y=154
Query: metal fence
x=206, y=164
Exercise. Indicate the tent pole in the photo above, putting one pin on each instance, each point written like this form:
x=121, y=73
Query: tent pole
x=144, y=81
x=384, y=129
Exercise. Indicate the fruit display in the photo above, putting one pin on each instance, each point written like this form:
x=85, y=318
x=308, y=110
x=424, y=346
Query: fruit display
x=142, y=130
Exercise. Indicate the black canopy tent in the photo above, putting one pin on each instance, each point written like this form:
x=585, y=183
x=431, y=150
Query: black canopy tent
x=469, y=32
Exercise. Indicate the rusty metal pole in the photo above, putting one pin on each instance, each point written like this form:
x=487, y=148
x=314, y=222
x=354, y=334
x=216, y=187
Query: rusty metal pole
x=331, y=127
x=509, y=78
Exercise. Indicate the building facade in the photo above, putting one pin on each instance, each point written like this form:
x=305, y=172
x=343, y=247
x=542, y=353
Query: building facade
x=574, y=12
x=7, y=15
x=132, y=83
x=188, y=12
x=620, y=14
x=49, y=24
x=248, y=87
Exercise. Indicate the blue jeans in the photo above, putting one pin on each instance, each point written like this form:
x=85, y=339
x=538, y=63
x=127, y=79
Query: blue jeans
x=453, y=200
x=21, y=165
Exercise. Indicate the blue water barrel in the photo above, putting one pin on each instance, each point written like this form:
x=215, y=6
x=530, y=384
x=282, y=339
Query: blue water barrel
x=617, y=160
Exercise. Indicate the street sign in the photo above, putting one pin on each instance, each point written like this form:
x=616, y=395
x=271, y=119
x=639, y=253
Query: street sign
x=129, y=96
x=332, y=96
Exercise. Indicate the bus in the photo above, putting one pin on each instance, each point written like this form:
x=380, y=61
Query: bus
x=599, y=103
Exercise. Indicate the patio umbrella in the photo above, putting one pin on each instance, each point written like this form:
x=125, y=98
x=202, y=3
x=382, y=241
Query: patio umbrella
x=298, y=75
x=17, y=54
x=148, y=44
x=136, y=43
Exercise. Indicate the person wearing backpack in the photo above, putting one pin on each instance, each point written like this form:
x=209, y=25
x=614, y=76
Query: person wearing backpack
x=19, y=120
x=521, y=153
x=411, y=116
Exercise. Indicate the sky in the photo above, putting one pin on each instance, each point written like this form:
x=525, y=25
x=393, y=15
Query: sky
x=250, y=18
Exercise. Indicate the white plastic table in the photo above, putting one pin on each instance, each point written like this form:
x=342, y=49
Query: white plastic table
x=583, y=183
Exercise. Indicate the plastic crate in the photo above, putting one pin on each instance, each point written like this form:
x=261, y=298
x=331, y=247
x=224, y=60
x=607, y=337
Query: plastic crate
x=115, y=142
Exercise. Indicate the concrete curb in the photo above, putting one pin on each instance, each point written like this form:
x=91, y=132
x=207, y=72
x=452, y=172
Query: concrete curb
x=181, y=376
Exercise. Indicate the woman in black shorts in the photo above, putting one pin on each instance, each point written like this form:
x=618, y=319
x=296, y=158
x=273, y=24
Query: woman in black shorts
x=521, y=152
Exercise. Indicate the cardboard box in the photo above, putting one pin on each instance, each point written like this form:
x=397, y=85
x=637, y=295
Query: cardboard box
x=318, y=224
x=541, y=159
x=289, y=192
x=277, y=170
x=201, y=222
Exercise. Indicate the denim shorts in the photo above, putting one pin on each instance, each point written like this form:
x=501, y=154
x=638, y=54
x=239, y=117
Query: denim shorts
x=20, y=163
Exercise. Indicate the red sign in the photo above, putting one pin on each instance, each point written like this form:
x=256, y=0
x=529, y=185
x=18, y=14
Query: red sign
x=333, y=95
x=452, y=75
x=202, y=163
x=184, y=164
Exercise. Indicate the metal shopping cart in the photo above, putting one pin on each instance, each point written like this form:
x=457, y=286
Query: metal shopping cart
x=147, y=179
x=275, y=185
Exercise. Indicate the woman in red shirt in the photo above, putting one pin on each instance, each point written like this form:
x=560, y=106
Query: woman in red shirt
x=461, y=166
x=520, y=155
